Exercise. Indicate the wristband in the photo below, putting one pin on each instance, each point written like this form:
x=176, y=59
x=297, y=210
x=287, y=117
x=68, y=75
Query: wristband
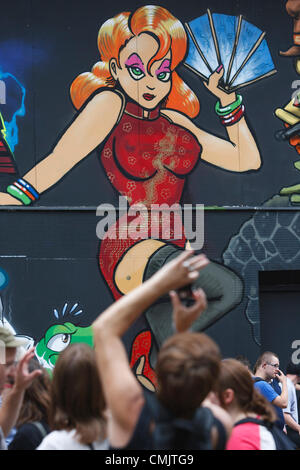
x=18, y=194
x=230, y=108
x=230, y=115
x=23, y=191
x=236, y=118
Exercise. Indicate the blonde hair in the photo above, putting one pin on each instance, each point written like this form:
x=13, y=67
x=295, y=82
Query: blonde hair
x=113, y=36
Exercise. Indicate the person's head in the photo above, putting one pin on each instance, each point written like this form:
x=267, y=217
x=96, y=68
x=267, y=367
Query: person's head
x=237, y=393
x=187, y=370
x=293, y=371
x=140, y=51
x=244, y=361
x=267, y=366
x=8, y=349
x=77, y=400
x=36, y=400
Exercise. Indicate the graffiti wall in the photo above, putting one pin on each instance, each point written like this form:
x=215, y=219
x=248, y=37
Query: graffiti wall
x=117, y=127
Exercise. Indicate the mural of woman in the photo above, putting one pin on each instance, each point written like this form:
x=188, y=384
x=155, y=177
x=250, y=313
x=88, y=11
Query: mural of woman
x=136, y=106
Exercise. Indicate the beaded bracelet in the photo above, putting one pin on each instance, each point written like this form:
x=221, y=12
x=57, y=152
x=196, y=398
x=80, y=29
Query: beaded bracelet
x=230, y=108
x=23, y=191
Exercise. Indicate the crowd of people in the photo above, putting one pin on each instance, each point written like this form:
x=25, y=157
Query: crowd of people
x=94, y=401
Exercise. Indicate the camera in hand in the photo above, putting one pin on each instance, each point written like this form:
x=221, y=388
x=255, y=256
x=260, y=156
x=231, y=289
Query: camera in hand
x=186, y=295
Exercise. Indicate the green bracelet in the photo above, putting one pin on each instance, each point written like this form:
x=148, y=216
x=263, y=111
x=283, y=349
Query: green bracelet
x=230, y=108
x=18, y=194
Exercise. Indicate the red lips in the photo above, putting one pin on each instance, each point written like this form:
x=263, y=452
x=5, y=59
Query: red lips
x=148, y=96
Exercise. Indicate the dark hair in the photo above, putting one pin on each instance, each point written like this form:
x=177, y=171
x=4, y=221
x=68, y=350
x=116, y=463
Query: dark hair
x=236, y=376
x=264, y=357
x=187, y=370
x=36, y=400
x=77, y=400
x=293, y=369
x=243, y=360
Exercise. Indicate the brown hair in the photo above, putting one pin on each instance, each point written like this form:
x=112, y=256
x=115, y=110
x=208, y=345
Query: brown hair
x=187, y=370
x=264, y=357
x=77, y=400
x=236, y=376
x=36, y=400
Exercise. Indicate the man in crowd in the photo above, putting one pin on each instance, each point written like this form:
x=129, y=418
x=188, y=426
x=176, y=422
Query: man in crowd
x=12, y=402
x=267, y=377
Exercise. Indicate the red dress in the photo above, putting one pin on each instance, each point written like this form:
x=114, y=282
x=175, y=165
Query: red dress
x=147, y=161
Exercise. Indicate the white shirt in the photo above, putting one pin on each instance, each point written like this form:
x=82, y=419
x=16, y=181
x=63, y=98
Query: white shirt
x=292, y=407
x=66, y=440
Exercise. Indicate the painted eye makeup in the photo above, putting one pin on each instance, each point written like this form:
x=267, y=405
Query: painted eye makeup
x=135, y=72
x=163, y=73
x=135, y=67
x=164, y=76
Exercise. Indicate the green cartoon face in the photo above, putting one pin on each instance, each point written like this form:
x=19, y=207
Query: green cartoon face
x=57, y=338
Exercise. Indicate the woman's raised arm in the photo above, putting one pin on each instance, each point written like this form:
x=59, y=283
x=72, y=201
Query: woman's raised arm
x=87, y=131
x=239, y=153
x=123, y=393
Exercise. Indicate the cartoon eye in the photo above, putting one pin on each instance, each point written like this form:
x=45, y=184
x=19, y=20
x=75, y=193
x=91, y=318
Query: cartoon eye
x=59, y=342
x=136, y=73
x=164, y=76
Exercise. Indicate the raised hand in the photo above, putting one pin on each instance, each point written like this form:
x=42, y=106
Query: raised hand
x=213, y=86
x=24, y=378
x=180, y=272
x=281, y=377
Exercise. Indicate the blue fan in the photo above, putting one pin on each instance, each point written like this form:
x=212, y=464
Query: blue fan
x=241, y=47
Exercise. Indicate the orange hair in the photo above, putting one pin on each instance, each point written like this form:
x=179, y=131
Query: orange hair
x=114, y=34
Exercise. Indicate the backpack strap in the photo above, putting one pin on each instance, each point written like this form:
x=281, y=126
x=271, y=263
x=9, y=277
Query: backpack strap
x=255, y=421
x=43, y=431
x=222, y=435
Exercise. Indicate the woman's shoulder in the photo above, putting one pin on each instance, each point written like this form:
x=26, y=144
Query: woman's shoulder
x=251, y=436
x=61, y=439
x=33, y=427
x=105, y=102
x=66, y=440
x=107, y=94
x=29, y=435
x=175, y=116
